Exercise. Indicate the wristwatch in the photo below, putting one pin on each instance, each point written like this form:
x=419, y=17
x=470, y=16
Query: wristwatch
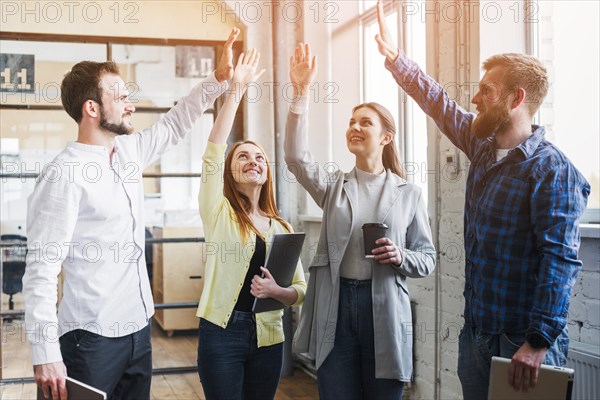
x=537, y=341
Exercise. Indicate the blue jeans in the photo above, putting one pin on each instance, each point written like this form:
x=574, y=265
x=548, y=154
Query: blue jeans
x=348, y=373
x=120, y=366
x=231, y=366
x=476, y=349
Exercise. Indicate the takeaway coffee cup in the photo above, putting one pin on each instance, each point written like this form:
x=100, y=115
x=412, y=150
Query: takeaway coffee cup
x=372, y=232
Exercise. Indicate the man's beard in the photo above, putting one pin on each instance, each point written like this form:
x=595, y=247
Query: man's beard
x=118, y=129
x=491, y=121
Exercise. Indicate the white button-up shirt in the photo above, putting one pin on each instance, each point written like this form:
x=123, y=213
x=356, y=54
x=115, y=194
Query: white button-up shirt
x=86, y=214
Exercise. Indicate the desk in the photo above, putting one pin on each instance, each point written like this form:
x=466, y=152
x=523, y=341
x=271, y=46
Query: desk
x=174, y=264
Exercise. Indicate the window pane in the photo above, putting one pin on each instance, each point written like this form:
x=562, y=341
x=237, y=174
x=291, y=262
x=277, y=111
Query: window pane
x=367, y=4
x=416, y=149
x=570, y=112
x=51, y=62
x=174, y=201
x=158, y=76
x=379, y=86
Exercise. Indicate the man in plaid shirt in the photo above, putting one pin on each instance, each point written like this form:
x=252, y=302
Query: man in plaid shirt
x=523, y=202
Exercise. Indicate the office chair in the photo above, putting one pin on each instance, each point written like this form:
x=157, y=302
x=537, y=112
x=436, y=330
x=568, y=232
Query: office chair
x=13, y=267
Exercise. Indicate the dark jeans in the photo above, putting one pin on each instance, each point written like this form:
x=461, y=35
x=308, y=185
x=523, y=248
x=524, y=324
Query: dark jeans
x=476, y=349
x=348, y=373
x=121, y=366
x=231, y=366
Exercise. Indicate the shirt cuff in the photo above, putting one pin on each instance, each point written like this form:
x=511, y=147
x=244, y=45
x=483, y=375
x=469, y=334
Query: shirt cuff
x=299, y=105
x=45, y=351
x=402, y=63
x=211, y=88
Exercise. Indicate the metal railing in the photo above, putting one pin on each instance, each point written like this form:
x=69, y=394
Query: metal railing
x=164, y=306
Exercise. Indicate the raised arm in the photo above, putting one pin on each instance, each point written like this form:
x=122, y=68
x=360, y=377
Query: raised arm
x=244, y=74
x=154, y=141
x=211, y=187
x=452, y=120
x=303, y=69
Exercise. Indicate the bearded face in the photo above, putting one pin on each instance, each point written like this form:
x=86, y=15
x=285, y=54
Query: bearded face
x=116, y=108
x=492, y=117
x=120, y=127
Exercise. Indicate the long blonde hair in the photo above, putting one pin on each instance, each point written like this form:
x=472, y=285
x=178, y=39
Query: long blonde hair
x=391, y=159
x=241, y=203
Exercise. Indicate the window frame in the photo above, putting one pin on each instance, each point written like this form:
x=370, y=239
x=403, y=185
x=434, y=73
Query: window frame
x=590, y=215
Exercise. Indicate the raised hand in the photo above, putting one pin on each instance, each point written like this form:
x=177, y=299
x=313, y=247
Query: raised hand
x=303, y=69
x=224, y=71
x=245, y=70
x=385, y=41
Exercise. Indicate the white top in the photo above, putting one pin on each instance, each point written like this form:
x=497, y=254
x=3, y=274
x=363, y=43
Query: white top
x=370, y=187
x=87, y=214
x=501, y=153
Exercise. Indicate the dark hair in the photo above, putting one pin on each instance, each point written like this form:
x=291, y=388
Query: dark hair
x=82, y=83
x=390, y=157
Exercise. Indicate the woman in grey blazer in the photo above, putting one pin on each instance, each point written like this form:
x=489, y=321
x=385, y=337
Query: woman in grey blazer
x=356, y=320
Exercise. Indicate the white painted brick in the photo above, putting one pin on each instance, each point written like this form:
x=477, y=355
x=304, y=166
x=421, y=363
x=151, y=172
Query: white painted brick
x=452, y=251
x=593, y=313
x=453, y=285
x=449, y=361
x=423, y=389
x=424, y=298
x=452, y=317
x=454, y=269
x=450, y=386
x=574, y=331
x=453, y=305
x=590, y=336
x=577, y=309
x=453, y=204
x=423, y=284
x=591, y=284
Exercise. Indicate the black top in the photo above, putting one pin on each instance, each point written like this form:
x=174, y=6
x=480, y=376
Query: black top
x=245, y=298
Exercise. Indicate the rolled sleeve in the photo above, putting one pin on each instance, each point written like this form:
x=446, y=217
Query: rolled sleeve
x=558, y=201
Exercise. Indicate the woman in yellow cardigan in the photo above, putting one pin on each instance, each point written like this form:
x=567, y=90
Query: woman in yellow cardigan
x=240, y=353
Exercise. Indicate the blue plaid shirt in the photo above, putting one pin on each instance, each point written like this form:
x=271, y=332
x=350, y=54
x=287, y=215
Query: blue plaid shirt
x=521, y=219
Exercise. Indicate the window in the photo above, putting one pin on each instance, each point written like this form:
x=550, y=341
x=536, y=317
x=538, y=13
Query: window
x=570, y=111
x=34, y=128
x=378, y=85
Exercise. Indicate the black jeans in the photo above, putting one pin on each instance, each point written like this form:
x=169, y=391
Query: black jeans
x=348, y=372
x=231, y=366
x=121, y=366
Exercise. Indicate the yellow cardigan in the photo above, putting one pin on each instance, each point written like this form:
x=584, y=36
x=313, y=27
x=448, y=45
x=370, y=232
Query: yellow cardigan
x=228, y=256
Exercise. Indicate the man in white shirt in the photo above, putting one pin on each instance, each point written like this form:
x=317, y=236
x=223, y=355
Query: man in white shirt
x=86, y=216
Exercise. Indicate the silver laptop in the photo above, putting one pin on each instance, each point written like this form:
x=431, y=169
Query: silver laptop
x=77, y=390
x=554, y=383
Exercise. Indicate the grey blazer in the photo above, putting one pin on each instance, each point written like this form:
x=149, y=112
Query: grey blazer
x=403, y=210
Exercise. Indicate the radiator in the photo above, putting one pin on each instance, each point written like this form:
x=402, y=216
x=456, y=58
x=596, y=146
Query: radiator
x=585, y=360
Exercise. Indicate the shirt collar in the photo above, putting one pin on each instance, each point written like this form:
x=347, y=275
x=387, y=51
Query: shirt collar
x=530, y=145
x=91, y=148
x=527, y=147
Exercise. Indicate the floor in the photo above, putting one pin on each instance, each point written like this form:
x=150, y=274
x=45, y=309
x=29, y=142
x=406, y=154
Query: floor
x=176, y=351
